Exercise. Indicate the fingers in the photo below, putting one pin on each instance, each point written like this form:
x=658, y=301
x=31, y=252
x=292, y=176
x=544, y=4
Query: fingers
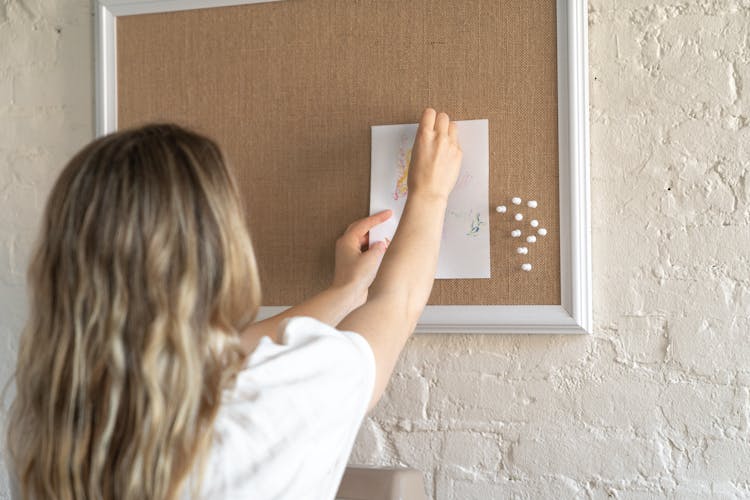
x=432, y=120
x=375, y=254
x=359, y=228
x=381, y=245
x=442, y=123
x=453, y=132
x=427, y=122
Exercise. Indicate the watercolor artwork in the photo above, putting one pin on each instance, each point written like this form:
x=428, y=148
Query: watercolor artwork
x=465, y=245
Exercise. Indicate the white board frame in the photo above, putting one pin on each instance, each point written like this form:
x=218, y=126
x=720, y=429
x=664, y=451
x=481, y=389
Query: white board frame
x=574, y=315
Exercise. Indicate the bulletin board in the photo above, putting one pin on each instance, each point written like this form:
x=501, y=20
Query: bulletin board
x=290, y=89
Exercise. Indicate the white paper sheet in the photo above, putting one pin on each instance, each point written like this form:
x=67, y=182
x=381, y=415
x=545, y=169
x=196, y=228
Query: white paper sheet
x=465, y=246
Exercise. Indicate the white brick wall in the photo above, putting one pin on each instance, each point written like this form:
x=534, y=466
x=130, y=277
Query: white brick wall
x=654, y=404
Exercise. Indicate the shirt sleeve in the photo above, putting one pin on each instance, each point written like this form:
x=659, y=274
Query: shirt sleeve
x=289, y=424
x=338, y=366
x=347, y=379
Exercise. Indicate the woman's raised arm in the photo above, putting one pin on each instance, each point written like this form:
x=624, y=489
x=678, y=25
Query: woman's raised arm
x=403, y=283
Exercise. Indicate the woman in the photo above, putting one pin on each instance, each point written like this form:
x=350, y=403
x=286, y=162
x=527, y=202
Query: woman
x=141, y=373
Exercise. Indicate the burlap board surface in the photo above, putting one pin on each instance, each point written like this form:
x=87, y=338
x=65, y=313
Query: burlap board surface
x=290, y=90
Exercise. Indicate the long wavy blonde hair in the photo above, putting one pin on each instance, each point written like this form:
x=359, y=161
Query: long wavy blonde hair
x=142, y=278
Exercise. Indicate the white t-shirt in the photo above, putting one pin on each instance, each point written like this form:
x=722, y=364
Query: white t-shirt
x=285, y=431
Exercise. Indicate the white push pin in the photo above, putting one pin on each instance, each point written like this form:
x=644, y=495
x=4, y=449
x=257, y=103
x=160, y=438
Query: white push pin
x=534, y=223
x=531, y=239
x=531, y=204
x=522, y=250
x=526, y=267
x=516, y=200
x=515, y=233
x=501, y=209
x=542, y=231
x=518, y=217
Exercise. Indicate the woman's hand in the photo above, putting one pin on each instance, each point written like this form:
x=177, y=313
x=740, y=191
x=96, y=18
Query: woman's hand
x=356, y=266
x=436, y=157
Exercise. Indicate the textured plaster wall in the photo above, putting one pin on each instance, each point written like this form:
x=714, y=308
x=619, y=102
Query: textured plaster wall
x=656, y=403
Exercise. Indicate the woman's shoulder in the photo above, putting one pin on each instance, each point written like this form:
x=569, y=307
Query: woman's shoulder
x=312, y=344
x=312, y=358
x=296, y=406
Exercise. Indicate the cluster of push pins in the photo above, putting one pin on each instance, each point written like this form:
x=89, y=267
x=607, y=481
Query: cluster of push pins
x=517, y=233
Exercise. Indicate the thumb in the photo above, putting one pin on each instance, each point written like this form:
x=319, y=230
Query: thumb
x=374, y=255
